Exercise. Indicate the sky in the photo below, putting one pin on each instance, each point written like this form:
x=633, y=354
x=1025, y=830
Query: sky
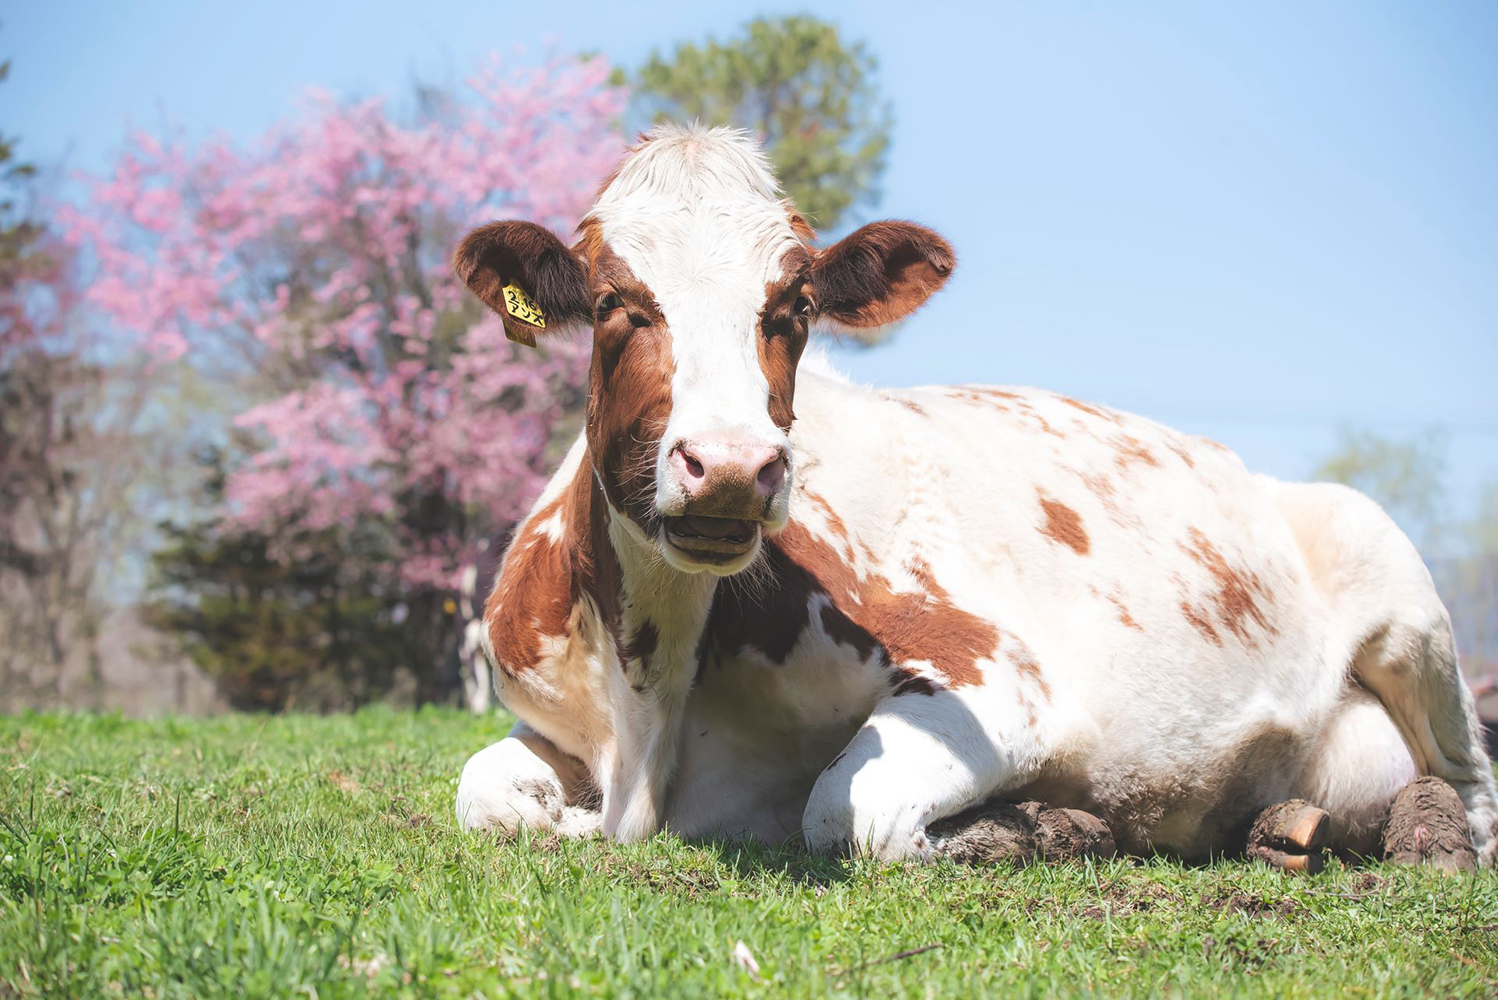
x=1260, y=222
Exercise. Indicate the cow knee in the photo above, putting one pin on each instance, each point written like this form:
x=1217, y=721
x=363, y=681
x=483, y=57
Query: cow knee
x=506, y=786
x=863, y=804
x=865, y=825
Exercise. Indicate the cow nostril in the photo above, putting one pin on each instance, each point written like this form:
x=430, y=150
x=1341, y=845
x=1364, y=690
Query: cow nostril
x=772, y=474
x=692, y=463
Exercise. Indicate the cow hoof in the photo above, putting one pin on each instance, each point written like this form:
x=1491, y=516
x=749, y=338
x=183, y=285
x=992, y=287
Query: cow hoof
x=1019, y=832
x=1428, y=825
x=1072, y=833
x=1309, y=864
x=1290, y=836
x=987, y=833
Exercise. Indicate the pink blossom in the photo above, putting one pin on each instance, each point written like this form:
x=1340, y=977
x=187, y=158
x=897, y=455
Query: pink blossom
x=325, y=242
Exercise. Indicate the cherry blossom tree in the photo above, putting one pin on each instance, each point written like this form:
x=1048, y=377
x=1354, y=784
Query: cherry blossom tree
x=314, y=260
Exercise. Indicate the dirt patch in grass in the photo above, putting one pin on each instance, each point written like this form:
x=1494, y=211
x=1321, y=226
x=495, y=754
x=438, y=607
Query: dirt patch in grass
x=1120, y=898
x=1250, y=904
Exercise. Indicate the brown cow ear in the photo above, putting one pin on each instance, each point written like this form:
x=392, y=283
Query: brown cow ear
x=880, y=273
x=528, y=276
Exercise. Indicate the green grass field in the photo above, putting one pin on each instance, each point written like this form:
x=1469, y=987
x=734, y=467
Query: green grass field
x=249, y=856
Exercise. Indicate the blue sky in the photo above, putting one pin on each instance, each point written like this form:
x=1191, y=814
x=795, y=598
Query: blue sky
x=1258, y=222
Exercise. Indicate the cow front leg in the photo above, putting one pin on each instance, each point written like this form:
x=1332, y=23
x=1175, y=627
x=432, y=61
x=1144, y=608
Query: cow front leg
x=525, y=781
x=647, y=731
x=919, y=758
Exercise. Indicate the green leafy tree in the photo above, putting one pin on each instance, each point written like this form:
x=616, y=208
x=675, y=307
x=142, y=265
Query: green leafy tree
x=809, y=97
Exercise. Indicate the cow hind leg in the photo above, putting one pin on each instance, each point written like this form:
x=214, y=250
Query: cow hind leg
x=1377, y=587
x=1414, y=675
x=1355, y=771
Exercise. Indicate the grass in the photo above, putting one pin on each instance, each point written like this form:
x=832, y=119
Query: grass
x=249, y=856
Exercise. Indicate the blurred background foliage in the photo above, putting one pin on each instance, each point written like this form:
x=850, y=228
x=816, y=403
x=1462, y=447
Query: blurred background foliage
x=276, y=472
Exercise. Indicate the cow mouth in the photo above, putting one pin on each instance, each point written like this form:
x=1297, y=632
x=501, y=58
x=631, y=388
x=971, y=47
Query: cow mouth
x=711, y=539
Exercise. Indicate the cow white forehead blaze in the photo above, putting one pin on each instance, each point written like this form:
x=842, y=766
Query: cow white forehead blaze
x=696, y=211
x=697, y=217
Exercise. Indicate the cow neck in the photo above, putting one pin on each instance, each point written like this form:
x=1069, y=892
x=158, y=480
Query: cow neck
x=651, y=613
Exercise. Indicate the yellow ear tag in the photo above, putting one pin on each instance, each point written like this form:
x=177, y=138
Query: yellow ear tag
x=523, y=307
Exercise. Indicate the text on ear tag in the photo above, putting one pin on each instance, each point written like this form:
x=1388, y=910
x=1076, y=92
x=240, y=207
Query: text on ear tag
x=523, y=307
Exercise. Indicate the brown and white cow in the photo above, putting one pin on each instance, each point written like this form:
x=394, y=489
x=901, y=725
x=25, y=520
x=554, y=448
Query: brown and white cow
x=766, y=602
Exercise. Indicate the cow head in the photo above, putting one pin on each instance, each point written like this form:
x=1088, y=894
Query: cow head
x=699, y=284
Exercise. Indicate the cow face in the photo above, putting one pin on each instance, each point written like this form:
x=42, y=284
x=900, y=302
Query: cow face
x=699, y=284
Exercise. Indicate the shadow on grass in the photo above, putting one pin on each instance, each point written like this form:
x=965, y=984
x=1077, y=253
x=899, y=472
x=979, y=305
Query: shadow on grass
x=751, y=859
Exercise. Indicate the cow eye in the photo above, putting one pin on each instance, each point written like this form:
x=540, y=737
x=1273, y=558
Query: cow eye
x=609, y=303
x=802, y=306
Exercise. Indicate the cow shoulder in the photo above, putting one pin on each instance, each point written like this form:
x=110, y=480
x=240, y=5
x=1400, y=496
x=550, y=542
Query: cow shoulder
x=543, y=575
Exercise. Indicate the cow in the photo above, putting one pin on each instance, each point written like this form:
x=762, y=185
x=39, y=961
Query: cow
x=757, y=600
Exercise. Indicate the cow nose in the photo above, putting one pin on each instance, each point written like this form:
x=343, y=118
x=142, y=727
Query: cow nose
x=706, y=467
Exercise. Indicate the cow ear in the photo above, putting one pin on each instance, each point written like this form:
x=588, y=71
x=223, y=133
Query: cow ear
x=880, y=273
x=528, y=276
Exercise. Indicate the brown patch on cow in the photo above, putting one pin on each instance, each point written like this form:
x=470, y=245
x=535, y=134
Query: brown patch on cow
x=800, y=226
x=1123, y=613
x=1199, y=620
x=534, y=592
x=968, y=396
x=533, y=595
x=1026, y=665
x=1102, y=487
x=589, y=245
x=983, y=395
x=783, y=335
x=1181, y=453
x=1088, y=408
x=541, y=580
x=990, y=392
x=835, y=525
x=1062, y=524
x=907, y=625
x=1131, y=449
x=909, y=404
x=1238, y=591
x=1124, y=617
x=1029, y=411
x=629, y=382
x=1045, y=426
